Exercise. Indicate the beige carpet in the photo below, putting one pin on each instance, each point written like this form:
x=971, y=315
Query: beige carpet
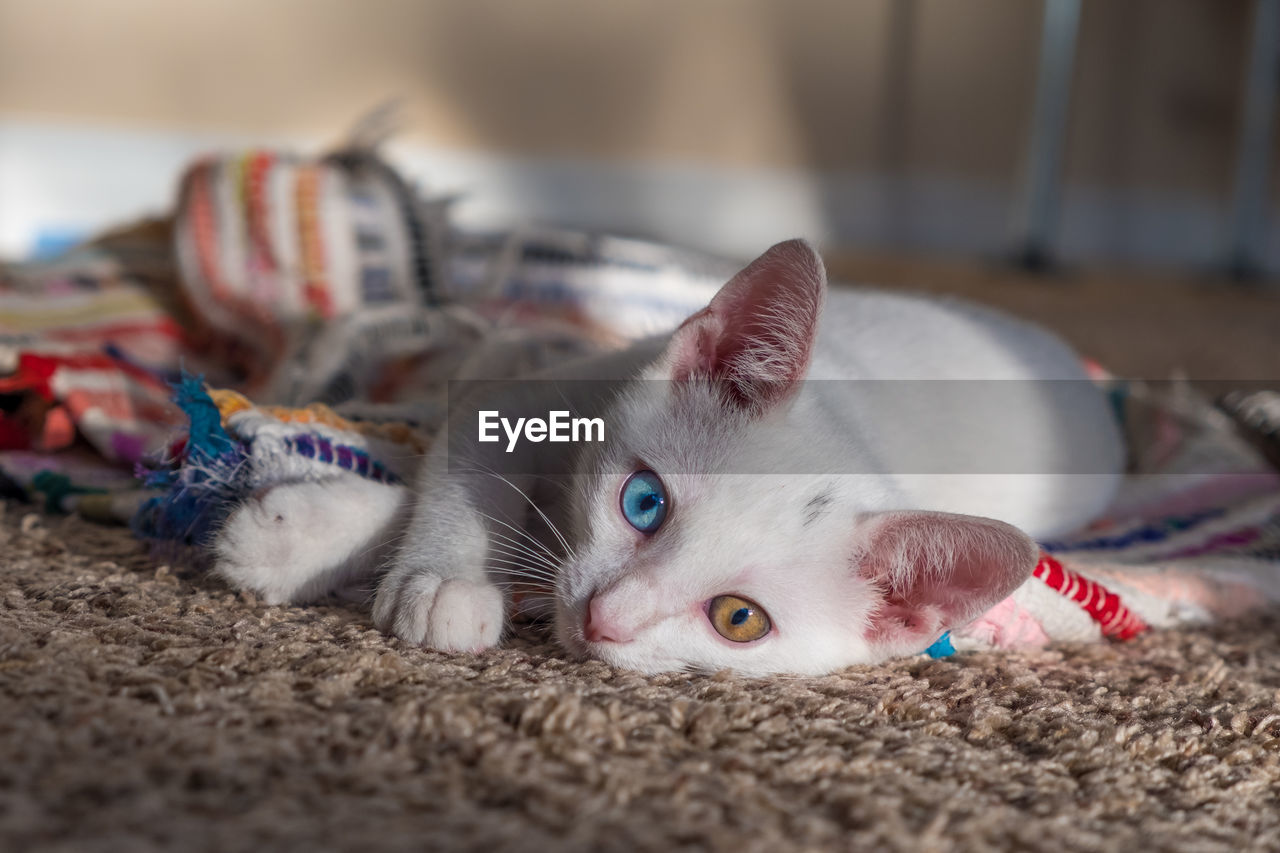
x=142, y=708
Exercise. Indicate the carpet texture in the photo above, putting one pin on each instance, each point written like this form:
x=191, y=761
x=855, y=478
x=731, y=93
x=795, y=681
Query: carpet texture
x=143, y=708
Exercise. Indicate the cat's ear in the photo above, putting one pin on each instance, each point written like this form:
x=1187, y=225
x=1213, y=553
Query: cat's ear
x=757, y=334
x=936, y=571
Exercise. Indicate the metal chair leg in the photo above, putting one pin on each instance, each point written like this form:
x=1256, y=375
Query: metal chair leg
x=1246, y=239
x=1036, y=220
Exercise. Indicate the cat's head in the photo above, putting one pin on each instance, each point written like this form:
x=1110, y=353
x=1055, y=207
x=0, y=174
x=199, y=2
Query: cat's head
x=685, y=558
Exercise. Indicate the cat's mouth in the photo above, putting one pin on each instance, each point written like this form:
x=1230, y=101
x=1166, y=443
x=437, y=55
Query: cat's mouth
x=569, y=632
x=629, y=655
x=569, y=618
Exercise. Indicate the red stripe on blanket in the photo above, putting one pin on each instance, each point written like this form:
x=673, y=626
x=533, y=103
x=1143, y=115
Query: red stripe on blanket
x=1116, y=621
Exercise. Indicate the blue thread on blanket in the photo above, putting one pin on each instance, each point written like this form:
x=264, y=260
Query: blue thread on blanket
x=203, y=483
x=352, y=459
x=1157, y=531
x=942, y=647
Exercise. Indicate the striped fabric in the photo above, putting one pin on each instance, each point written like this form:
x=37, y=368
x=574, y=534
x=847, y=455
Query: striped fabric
x=1115, y=620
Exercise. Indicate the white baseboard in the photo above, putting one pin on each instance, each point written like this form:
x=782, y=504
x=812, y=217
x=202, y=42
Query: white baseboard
x=59, y=178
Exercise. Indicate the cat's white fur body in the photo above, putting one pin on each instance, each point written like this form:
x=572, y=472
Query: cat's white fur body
x=808, y=498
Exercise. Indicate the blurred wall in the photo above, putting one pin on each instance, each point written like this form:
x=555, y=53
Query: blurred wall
x=918, y=100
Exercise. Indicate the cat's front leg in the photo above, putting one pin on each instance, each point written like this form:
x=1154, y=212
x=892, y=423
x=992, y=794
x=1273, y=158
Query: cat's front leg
x=436, y=591
x=470, y=523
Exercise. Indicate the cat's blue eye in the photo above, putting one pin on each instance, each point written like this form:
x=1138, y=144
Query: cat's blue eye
x=644, y=501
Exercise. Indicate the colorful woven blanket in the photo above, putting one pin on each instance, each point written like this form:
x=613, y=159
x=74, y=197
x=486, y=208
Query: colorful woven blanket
x=295, y=281
x=297, y=317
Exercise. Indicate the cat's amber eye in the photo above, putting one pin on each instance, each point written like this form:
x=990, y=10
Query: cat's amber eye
x=738, y=619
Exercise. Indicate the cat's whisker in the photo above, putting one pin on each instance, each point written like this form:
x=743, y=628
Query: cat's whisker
x=533, y=539
x=489, y=472
x=525, y=549
x=555, y=531
x=525, y=570
x=526, y=556
x=497, y=538
x=390, y=541
x=522, y=583
x=517, y=584
x=573, y=410
x=522, y=559
x=548, y=568
x=550, y=554
x=524, y=553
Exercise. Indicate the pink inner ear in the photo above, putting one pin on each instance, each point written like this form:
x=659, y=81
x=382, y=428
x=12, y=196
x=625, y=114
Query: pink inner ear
x=938, y=571
x=757, y=334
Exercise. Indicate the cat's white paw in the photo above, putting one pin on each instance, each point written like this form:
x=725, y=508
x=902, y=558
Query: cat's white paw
x=270, y=544
x=453, y=614
x=298, y=541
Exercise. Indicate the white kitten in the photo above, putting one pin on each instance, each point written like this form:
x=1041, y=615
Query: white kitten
x=738, y=516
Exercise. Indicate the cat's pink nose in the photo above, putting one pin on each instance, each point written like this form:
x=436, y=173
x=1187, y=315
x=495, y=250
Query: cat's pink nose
x=598, y=628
